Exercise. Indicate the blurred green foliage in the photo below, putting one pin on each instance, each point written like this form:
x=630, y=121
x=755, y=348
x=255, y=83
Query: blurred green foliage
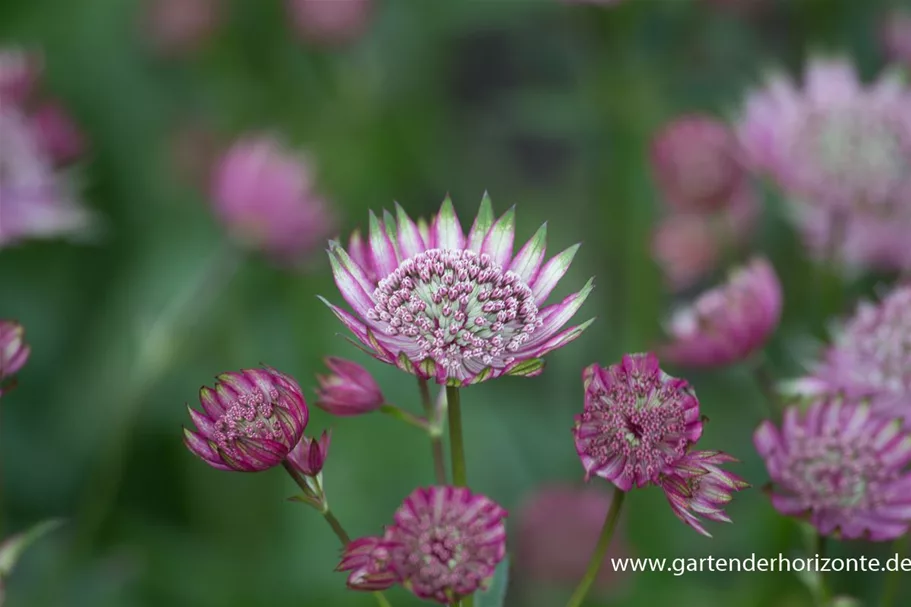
x=547, y=106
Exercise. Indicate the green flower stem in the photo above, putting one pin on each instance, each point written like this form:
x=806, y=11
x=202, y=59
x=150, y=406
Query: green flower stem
x=766, y=382
x=893, y=578
x=434, y=432
x=457, y=450
x=409, y=418
x=594, y=565
x=334, y=523
x=823, y=594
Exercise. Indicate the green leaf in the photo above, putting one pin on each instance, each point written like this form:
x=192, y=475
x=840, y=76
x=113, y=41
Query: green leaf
x=12, y=548
x=495, y=595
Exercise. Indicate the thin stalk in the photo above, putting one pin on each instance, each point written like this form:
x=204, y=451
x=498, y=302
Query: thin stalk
x=893, y=578
x=409, y=418
x=594, y=565
x=334, y=523
x=766, y=382
x=436, y=440
x=456, y=445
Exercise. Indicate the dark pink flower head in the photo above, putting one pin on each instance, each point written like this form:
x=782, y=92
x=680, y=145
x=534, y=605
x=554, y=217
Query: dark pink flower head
x=57, y=134
x=695, y=162
x=14, y=351
x=330, y=23
x=348, y=390
x=446, y=542
x=457, y=308
x=367, y=559
x=870, y=357
x=895, y=36
x=637, y=423
x=840, y=466
x=250, y=422
x=728, y=323
x=309, y=456
x=181, y=26
x=697, y=486
x=20, y=72
x=264, y=194
x=558, y=529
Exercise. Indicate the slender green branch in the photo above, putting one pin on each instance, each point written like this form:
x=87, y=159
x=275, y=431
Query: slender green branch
x=436, y=440
x=405, y=416
x=594, y=565
x=456, y=445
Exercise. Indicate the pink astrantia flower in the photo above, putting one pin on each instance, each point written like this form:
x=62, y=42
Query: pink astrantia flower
x=558, y=529
x=20, y=72
x=348, y=390
x=328, y=23
x=695, y=162
x=637, y=423
x=36, y=201
x=367, y=559
x=457, y=308
x=264, y=194
x=14, y=351
x=697, y=486
x=895, y=36
x=250, y=422
x=309, y=456
x=840, y=466
x=728, y=323
x=57, y=134
x=181, y=26
x=446, y=542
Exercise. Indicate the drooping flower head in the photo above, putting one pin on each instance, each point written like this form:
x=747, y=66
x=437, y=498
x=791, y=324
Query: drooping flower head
x=250, y=422
x=367, y=559
x=265, y=195
x=330, y=23
x=446, y=542
x=728, y=323
x=457, y=308
x=309, y=456
x=348, y=390
x=870, y=357
x=695, y=160
x=14, y=351
x=558, y=529
x=637, y=423
x=697, y=486
x=841, y=467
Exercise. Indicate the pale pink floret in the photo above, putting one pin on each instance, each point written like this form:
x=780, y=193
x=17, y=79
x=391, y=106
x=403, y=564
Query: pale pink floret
x=264, y=194
x=348, y=390
x=250, y=422
x=728, y=323
x=446, y=542
x=637, y=422
x=14, y=351
x=367, y=559
x=452, y=307
x=57, y=134
x=697, y=486
x=841, y=467
x=330, y=23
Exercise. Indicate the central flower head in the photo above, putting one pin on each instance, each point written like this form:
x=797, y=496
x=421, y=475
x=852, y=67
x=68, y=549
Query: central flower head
x=459, y=309
x=637, y=423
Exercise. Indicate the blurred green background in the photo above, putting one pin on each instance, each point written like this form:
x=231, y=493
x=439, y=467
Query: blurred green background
x=545, y=105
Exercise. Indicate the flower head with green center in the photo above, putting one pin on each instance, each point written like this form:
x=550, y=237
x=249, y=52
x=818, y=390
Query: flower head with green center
x=842, y=467
x=452, y=307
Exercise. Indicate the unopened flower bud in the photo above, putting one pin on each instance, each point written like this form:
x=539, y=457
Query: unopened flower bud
x=349, y=390
x=309, y=456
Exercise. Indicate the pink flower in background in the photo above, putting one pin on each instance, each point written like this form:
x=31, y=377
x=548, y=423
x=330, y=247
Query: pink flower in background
x=181, y=26
x=446, y=542
x=349, y=390
x=367, y=559
x=895, y=36
x=250, y=422
x=337, y=22
x=264, y=194
x=457, y=308
x=841, y=467
x=638, y=421
x=697, y=486
x=728, y=323
x=20, y=72
x=14, y=351
x=57, y=134
x=309, y=456
x=695, y=160
x=558, y=529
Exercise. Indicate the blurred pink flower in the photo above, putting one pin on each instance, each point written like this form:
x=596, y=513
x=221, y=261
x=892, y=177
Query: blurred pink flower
x=337, y=22
x=264, y=194
x=696, y=165
x=57, y=134
x=349, y=390
x=19, y=74
x=181, y=26
x=367, y=558
x=558, y=528
x=895, y=36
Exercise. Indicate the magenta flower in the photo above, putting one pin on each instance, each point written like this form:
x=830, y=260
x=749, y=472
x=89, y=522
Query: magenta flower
x=638, y=422
x=841, y=467
x=349, y=390
x=895, y=36
x=558, y=529
x=695, y=163
x=59, y=137
x=181, y=26
x=446, y=542
x=367, y=559
x=265, y=196
x=330, y=23
x=20, y=72
x=457, y=308
x=250, y=422
x=310, y=454
x=728, y=323
x=14, y=351
x=698, y=486
x=841, y=152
